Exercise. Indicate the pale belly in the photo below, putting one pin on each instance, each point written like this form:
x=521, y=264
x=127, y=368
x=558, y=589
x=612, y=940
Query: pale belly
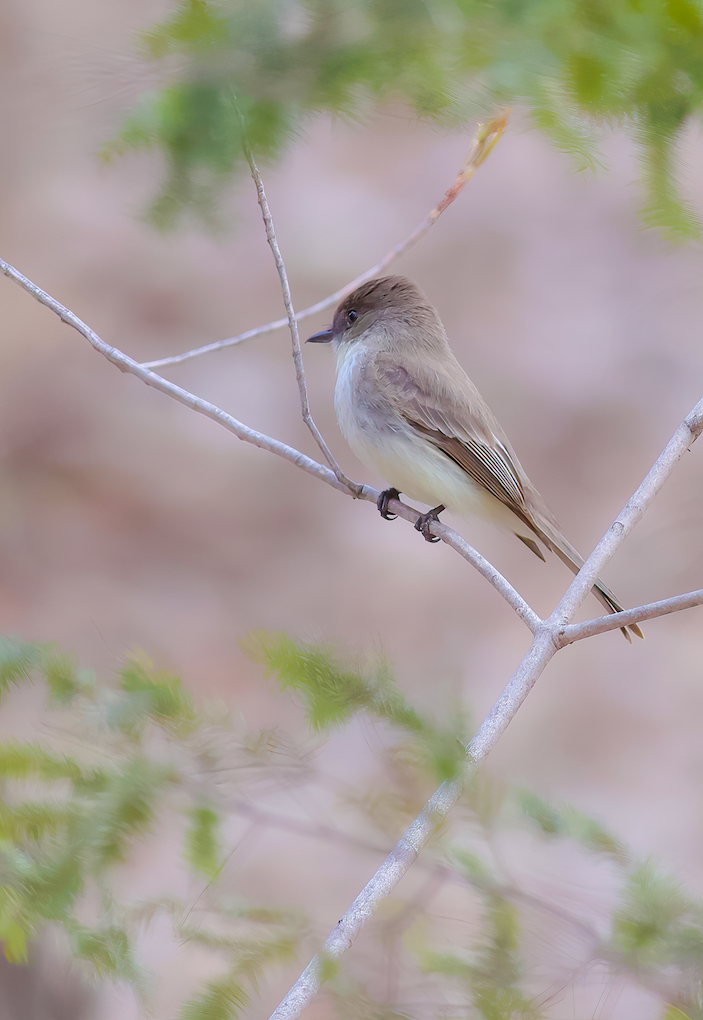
x=423, y=473
x=406, y=460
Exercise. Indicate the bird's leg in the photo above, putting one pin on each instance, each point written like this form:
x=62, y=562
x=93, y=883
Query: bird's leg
x=382, y=503
x=424, y=521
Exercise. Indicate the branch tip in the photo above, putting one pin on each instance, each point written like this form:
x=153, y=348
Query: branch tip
x=485, y=139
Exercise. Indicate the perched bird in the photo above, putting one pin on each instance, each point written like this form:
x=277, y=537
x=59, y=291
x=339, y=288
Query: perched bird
x=409, y=411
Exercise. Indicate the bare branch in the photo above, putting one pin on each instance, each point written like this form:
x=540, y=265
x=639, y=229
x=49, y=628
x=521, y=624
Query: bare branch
x=479, y=562
x=547, y=641
x=353, y=487
x=381, y=885
x=681, y=441
x=486, y=137
x=544, y=647
x=577, y=631
x=243, y=432
x=127, y=364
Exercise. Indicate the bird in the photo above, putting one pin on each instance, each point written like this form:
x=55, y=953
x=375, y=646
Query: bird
x=409, y=411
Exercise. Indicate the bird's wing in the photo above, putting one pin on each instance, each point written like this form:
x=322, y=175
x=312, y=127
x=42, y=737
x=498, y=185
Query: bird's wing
x=448, y=410
x=446, y=407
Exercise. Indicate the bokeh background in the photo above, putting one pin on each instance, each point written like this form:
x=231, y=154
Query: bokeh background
x=129, y=522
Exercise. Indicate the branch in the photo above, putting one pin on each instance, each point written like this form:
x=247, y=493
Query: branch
x=679, y=444
x=486, y=137
x=243, y=432
x=577, y=631
x=127, y=364
x=546, y=642
x=353, y=487
x=544, y=647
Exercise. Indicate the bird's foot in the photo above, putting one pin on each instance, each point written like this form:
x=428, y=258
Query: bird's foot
x=382, y=503
x=424, y=521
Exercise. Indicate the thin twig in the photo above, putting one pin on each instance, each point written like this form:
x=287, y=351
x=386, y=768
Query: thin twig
x=479, y=562
x=544, y=646
x=127, y=364
x=307, y=829
x=248, y=435
x=686, y=434
x=578, y=631
x=486, y=137
x=353, y=487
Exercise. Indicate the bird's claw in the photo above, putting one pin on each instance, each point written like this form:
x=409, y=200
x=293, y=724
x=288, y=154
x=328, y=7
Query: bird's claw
x=425, y=522
x=382, y=503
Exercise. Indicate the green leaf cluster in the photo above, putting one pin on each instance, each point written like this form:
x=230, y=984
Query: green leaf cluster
x=569, y=823
x=67, y=818
x=334, y=687
x=255, y=939
x=72, y=810
x=656, y=931
x=256, y=71
x=201, y=845
x=492, y=977
x=71, y=815
x=656, y=928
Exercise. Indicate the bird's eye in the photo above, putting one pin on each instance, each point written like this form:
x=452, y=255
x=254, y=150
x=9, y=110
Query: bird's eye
x=352, y=316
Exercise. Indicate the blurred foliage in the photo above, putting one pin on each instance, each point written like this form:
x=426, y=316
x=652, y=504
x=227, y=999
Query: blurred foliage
x=253, y=73
x=334, y=688
x=71, y=815
x=202, y=844
x=119, y=756
x=572, y=824
x=656, y=929
x=492, y=977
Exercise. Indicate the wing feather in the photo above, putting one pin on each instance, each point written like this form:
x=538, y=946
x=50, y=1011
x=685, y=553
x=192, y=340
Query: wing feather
x=445, y=406
x=463, y=429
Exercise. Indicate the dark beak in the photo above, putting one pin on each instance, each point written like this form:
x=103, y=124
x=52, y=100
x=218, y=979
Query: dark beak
x=323, y=337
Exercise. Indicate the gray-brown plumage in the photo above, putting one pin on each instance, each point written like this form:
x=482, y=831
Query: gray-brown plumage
x=409, y=411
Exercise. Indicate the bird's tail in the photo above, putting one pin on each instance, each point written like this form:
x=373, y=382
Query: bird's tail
x=555, y=541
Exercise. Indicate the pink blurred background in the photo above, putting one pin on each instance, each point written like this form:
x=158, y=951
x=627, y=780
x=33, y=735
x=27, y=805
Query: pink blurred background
x=129, y=522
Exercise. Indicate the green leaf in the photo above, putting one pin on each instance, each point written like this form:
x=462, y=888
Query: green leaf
x=124, y=809
x=62, y=678
x=14, y=942
x=652, y=914
x=332, y=690
x=491, y=979
x=443, y=749
x=17, y=661
x=168, y=703
x=201, y=842
x=329, y=968
x=34, y=761
x=33, y=820
x=567, y=822
x=221, y=1000
x=54, y=879
x=109, y=952
x=474, y=868
x=257, y=73
x=549, y=819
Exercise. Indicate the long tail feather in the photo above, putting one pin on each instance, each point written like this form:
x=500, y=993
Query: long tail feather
x=568, y=555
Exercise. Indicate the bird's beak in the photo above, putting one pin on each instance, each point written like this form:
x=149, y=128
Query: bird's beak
x=323, y=337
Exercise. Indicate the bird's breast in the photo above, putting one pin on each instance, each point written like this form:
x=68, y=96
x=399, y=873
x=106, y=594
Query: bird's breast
x=357, y=400
x=384, y=441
